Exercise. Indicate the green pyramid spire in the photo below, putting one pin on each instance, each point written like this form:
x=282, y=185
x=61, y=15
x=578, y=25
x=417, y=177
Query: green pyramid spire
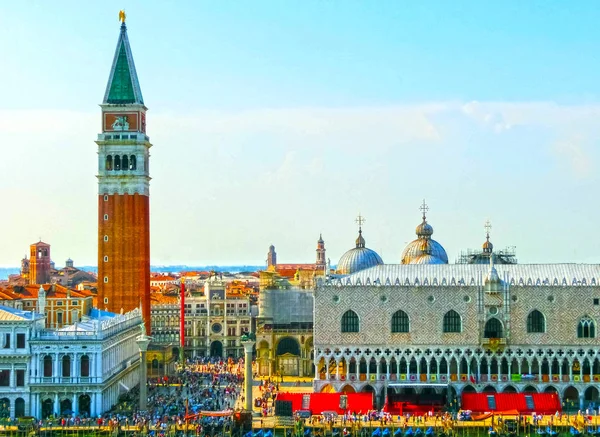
x=123, y=86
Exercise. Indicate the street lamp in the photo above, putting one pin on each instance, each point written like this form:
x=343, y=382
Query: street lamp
x=143, y=341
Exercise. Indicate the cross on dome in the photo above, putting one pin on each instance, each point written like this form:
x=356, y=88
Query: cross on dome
x=488, y=227
x=424, y=208
x=360, y=220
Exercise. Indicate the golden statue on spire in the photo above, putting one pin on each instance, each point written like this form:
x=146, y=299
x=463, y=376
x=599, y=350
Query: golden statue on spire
x=122, y=16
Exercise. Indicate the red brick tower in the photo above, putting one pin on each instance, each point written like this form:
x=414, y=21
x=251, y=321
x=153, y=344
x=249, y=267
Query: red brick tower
x=124, y=195
x=39, y=263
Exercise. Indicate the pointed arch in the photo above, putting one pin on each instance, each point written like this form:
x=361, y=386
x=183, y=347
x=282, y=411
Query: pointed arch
x=493, y=328
x=536, y=322
x=452, y=322
x=443, y=366
x=586, y=328
x=400, y=322
x=350, y=322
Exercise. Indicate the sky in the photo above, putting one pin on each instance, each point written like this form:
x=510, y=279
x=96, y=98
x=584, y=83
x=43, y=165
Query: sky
x=274, y=121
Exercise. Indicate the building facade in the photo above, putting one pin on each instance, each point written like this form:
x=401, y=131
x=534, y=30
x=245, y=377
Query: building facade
x=215, y=321
x=16, y=330
x=83, y=368
x=469, y=327
x=124, y=190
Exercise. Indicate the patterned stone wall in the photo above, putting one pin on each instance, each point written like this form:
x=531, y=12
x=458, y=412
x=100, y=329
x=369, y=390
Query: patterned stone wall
x=562, y=306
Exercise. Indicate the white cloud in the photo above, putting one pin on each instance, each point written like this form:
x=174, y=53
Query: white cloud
x=574, y=153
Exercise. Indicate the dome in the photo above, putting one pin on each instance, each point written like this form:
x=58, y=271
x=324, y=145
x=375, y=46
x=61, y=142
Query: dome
x=357, y=259
x=488, y=247
x=424, y=250
x=420, y=247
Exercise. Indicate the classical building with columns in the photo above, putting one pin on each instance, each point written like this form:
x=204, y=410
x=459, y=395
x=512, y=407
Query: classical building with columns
x=425, y=326
x=83, y=368
x=16, y=329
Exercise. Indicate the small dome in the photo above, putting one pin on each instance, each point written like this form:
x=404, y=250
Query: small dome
x=360, y=241
x=488, y=247
x=357, y=259
x=424, y=229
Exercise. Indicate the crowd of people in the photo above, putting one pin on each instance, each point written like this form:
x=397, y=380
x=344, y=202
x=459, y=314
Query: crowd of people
x=212, y=386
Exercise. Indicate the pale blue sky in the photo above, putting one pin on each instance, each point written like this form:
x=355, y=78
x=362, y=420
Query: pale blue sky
x=276, y=120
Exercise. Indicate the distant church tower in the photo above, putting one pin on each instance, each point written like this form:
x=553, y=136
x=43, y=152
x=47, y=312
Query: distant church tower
x=271, y=256
x=321, y=260
x=123, y=190
x=39, y=263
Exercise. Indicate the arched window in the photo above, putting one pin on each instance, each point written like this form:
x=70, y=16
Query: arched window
x=66, y=366
x=400, y=322
x=586, y=328
x=109, y=163
x=47, y=366
x=117, y=162
x=125, y=162
x=84, y=371
x=350, y=321
x=536, y=322
x=132, y=162
x=452, y=322
x=493, y=329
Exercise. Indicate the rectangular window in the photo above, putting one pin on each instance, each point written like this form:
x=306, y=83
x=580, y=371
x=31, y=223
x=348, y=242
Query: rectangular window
x=59, y=303
x=105, y=216
x=596, y=301
x=59, y=318
x=4, y=378
x=106, y=300
x=106, y=279
x=105, y=259
x=20, y=378
x=20, y=341
x=106, y=238
x=75, y=302
x=105, y=198
x=6, y=344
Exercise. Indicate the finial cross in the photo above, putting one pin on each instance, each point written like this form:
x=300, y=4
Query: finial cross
x=488, y=227
x=360, y=220
x=424, y=208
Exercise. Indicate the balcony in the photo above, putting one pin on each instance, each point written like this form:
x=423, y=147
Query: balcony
x=62, y=380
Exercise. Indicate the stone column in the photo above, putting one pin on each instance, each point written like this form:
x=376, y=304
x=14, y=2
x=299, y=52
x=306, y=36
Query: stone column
x=248, y=344
x=143, y=341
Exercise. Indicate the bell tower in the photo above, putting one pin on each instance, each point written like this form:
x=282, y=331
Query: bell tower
x=123, y=190
x=321, y=253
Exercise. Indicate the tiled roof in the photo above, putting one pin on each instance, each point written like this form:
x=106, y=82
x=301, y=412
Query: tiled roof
x=473, y=274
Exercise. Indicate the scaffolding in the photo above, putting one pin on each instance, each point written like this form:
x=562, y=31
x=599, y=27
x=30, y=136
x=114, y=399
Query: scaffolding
x=471, y=256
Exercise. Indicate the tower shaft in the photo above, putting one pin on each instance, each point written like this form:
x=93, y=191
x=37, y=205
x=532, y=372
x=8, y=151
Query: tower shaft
x=123, y=191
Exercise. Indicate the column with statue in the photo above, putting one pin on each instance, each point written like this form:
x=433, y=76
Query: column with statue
x=143, y=341
x=248, y=341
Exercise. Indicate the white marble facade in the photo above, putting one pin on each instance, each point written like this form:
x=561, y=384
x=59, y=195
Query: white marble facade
x=77, y=370
x=530, y=328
